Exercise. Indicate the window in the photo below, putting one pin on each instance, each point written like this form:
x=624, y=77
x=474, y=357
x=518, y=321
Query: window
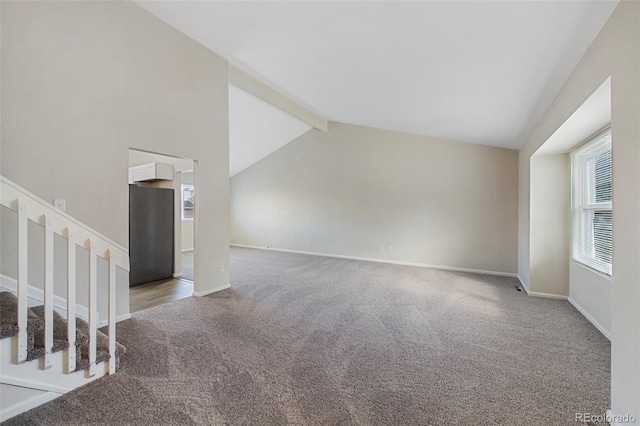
x=591, y=208
x=188, y=197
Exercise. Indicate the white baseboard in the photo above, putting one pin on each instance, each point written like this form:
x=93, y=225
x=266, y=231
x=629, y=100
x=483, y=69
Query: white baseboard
x=118, y=319
x=178, y=275
x=527, y=290
x=591, y=319
x=524, y=285
x=547, y=295
x=392, y=262
x=35, y=384
x=211, y=291
x=59, y=303
x=26, y=405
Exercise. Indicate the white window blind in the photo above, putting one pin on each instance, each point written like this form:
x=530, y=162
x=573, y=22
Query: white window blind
x=591, y=204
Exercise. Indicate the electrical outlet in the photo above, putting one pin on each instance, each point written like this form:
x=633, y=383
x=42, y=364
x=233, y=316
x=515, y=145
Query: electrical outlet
x=222, y=269
x=390, y=249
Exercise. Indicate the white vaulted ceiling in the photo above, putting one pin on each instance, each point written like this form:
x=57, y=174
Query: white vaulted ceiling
x=256, y=129
x=474, y=71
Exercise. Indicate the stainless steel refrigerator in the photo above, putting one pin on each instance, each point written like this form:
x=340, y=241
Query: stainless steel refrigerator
x=150, y=234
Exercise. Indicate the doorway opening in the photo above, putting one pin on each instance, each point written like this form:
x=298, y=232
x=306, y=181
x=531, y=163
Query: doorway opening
x=187, y=213
x=161, y=228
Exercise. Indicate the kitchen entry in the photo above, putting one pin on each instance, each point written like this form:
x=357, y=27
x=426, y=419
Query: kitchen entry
x=151, y=232
x=161, y=212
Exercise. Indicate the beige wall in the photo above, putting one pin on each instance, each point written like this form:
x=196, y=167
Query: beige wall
x=616, y=53
x=82, y=82
x=591, y=292
x=351, y=190
x=550, y=224
x=187, y=235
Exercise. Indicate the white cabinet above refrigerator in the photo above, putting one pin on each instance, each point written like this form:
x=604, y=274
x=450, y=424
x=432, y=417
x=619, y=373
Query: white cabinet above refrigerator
x=150, y=172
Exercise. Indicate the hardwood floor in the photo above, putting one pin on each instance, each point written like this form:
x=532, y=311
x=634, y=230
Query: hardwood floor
x=148, y=295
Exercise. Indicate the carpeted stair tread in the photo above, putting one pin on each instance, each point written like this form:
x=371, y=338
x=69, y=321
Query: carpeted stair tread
x=102, y=348
x=36, y=348
x=9, y=316
x=35, y=333
x=59, y=328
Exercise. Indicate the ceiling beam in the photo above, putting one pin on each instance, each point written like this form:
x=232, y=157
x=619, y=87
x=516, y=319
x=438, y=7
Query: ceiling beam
x=251, y=85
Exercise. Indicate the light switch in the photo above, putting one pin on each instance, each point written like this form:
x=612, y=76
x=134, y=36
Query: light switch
x=60, y=204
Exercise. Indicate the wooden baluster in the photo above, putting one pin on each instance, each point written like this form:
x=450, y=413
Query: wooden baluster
x=93, y=305
x=23, y=286
x=71, y=301
x=112, y=312
x=48, y=292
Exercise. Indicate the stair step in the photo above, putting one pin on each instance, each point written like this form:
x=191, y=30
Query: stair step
x=36, y=349
x=35, y=333
x=102, y=348
x=9, y=316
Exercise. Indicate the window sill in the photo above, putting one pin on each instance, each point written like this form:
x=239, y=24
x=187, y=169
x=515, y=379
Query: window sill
x=593, y=271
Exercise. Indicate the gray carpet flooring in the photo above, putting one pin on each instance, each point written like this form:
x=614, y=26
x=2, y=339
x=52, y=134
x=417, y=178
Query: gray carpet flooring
x=310, y=340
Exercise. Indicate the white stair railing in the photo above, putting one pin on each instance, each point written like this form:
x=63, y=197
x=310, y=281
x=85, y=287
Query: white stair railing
x=30, y=207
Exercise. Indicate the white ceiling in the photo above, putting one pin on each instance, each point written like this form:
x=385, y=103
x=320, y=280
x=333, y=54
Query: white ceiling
x=593, y=115
x=471, y=71
x=256, y=129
